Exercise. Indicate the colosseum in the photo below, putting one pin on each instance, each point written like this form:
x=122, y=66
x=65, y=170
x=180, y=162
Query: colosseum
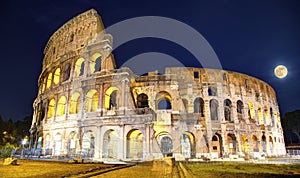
x=88, y=108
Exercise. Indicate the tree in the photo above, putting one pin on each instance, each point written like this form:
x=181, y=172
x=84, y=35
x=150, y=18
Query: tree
x=291, y=127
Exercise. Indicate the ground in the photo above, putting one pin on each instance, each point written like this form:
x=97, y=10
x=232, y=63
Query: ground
x=30, y=168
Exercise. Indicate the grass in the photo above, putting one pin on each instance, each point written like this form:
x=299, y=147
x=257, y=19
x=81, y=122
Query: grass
x=29, y=168
x=232, y=169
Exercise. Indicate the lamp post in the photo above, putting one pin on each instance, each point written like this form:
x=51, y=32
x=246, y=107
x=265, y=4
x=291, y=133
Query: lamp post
x=24, y=141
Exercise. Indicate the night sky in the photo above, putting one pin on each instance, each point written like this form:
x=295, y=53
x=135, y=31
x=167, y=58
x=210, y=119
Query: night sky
x=250, y=37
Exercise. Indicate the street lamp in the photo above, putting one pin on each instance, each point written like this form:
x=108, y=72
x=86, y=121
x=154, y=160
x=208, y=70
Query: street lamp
x=24, y=141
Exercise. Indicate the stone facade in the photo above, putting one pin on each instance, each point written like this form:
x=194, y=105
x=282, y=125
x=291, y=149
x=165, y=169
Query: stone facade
x=87, y=108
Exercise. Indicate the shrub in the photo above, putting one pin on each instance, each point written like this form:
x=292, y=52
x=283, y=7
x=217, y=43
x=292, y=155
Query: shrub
x=6, y=151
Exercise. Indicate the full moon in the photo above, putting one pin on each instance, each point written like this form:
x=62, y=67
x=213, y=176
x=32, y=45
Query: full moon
x=281, y=71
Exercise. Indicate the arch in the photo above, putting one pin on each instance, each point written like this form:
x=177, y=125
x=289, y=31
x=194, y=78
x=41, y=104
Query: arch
x=75, y=103
x=72, y=142
x=49, y=80
x=227, y=110
x=276, y=118
x=51, y=107
x=57, y=144
x=111, y=98
x=142, y=101
x=61, y=106
x=110, y=144
x=91, y=101
x=245, y=144
x=165, y=143
x=260, y=115
x=266, y=116
x=272, y=121
x=271, y=144
x=163, y=100
x=255, y=144
x=217, y=144
x=39, y=144
x=264, y=143
x=187, y=145
x=66, y=72
x=214, y=107
x=88, y=144
x=231, y=141
x=56, y=78
x=95, y=63
x=239, y=107
x=199, y=106
x=212, y=91
x=79, y=67
x=251, y=111
x=135, y=139
x=47, y=145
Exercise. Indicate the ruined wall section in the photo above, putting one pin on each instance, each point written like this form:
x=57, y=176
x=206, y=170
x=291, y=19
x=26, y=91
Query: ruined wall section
x=72, y=36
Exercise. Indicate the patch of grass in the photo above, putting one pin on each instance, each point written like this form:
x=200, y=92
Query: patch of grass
x=231, y=169
x=29, y=168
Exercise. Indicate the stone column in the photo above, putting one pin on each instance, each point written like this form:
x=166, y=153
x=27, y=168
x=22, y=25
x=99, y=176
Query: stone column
x=98, y=143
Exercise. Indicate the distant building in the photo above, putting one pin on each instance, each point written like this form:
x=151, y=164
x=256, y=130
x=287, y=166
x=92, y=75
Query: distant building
x=86, y=107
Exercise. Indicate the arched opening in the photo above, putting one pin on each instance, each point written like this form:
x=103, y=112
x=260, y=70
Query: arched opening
x=267, y=116
x=91, y=101
x=245, y=145
x=110, y=144
x=111, y=98
x=66, y=72
x=255, y=145
x=142, y=101
x=263, y=143
x=135, y=140
x=75, y=103
x=231, y=141
x=39, y=145
x=56, y=78
x=276, y=119
x=217, y=144
x=272, y=122
x=49, y=80
x=212, y=91
x=88, y=144
x=61, y=105
x=95, y=63
x=163, y=101
x=260, y=115
x=199, y=106
x=48, y=149
x=227, y=110
x=72, y=142
x=239, y=107
x=187, y=145
x=165, y=143
x=57, y=144
x=51, y=107
x=271, y=144
x=214, y=107
x=251, y=111
x=79, y=67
